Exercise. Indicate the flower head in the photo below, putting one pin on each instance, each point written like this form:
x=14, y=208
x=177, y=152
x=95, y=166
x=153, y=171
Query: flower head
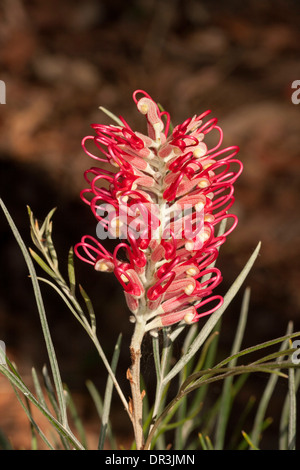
x=164, y=195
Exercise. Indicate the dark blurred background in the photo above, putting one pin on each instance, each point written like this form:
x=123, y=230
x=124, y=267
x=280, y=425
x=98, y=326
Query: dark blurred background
x=60, y=61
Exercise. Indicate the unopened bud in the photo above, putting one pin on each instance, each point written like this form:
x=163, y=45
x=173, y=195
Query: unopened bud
x=189, y=318
x=204, y=236
x=204, y=183
x=199, y=152
x=191, y=271
x=209, y=218
x=189, y=289
x=189, y=245
x=199, y=206
x=104, y=266
x=143, y=108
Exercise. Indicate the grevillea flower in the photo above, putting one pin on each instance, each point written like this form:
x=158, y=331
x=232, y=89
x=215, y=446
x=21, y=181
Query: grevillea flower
x=141, y=193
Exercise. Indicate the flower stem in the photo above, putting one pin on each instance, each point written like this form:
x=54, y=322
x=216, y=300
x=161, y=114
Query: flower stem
x=133, y=375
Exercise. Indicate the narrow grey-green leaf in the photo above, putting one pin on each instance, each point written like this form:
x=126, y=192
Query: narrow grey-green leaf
x=97, y=399
x=284, y=420
x=269, y=389
x=42, y=314
x=214, y=318
x=112, y=116
x=76, y=418
x=90, y=308
x=62, y=430
x=38, y=388
x=293, y=412
x=42, y=264
x=108, y=394
x=226, y=397
x=50, y=245
x=71, y=271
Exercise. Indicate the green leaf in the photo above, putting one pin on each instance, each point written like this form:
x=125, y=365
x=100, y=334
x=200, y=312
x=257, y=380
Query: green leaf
x=89, y=307
x=41, y=235
x=46, y=224
x=205, y=442
x=285, y=416
x=71, y=271
x=43, y=319
x=249, y=441
x=108, y=394
x=35, y=429
x=4, y=442
x=96, y=397
x=214, y=318
x=17, y=382
x=243, y=417
x=76, y=418
x=50, y=244
x=202, y=442
x=50, y=391
x=226, y=397
x=156, y=355
x=38, y=388
x=42, y=264
x=112, y=116
x=292, y=411
x=259, y=347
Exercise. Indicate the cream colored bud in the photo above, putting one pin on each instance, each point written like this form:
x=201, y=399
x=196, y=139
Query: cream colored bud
x=209, y=218
x=199, y=152
x=143, y=108
x=120, y=196
x=101, y=267
x=199, y=206
x=203, y=183
x=189, y=289
x=191, y=271
x=207, y=165
x=189, y=245
x=189, y=318
x=104, y=266
x=204, y=236
x=196, y=126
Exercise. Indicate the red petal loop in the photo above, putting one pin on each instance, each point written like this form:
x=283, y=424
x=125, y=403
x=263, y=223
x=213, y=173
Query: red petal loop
x=208, y=312
x=92, y=252
x=158, y=289
x=167, y=267
x=127, y=283
x=169, y=246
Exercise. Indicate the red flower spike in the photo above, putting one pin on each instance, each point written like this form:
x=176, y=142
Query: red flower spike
x=166, y=250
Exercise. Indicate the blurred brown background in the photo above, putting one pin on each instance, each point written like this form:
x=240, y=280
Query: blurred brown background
x=60, y=61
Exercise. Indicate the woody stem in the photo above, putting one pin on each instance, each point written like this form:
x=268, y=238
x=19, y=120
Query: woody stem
x=133, y=375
